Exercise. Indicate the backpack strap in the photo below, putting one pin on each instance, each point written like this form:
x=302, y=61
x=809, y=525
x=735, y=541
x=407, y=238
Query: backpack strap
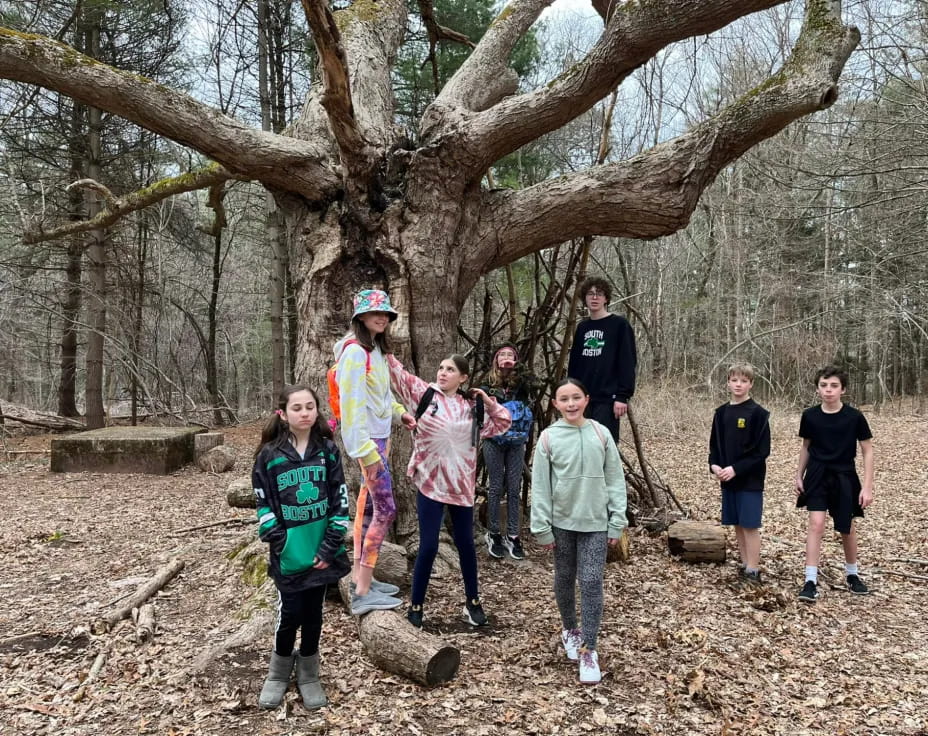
x=598, y=433
x=478, y=412
x=424, y=402
x=367, y=354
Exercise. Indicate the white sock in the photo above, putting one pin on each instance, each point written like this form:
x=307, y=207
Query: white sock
x=850, y=568
x=812, y=574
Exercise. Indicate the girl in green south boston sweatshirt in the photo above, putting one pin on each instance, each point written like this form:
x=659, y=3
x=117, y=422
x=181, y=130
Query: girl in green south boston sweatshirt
x=578, y=508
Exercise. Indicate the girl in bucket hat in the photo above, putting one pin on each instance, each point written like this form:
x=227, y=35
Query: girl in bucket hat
x=367, y=408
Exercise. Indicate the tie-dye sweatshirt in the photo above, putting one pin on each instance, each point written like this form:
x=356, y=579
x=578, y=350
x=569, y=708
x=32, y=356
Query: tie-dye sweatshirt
x=366, y=402
x=443, y=464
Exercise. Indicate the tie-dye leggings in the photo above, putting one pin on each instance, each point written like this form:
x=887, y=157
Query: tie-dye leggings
x=375, y=512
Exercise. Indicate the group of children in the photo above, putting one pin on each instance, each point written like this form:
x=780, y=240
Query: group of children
x=578, y=487
x=826, y=479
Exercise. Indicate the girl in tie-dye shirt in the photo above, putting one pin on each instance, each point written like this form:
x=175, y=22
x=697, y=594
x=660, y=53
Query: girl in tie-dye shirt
x=443, y=467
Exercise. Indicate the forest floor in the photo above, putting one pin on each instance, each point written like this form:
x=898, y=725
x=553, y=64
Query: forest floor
x=683, y=649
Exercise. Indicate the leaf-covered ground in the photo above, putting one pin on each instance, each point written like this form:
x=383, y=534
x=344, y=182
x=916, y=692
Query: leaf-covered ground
x=685, y=652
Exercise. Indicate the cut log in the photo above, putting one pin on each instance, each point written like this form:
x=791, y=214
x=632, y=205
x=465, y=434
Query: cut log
x=161, y=578
x=144, y=619
x=395, y=645
x=696, y=541
x=392, y=563
x=206, y=441
x=219, y=459
x=620, y=552
x=240, y=494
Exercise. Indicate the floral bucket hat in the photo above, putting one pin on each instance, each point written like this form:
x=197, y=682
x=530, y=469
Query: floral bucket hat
x=373, y=300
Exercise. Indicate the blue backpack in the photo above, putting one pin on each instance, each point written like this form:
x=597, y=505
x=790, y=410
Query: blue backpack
x=521, y=427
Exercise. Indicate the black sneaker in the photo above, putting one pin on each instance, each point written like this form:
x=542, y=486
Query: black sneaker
x=414, y=615
x=473, y=613
x=514, y=545
x=857, y=586
x=809, y=592
x=495, y=545
x=751, y=579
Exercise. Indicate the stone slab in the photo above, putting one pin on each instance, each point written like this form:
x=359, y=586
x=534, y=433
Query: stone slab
x=156, y=450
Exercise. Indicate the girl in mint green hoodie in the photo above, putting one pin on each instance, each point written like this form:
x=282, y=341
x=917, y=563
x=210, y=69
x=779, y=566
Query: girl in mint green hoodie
x=578, y=508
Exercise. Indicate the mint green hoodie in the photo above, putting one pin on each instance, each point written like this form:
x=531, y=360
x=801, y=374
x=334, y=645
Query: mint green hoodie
x=581, y=486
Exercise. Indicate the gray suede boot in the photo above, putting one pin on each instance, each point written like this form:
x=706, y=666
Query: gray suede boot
x=307, y=680
x=277, y=682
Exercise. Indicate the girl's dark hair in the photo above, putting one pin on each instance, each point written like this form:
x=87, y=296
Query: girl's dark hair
x=569, y=382
x=462, y=364
x=368, y=341
x=277, y=432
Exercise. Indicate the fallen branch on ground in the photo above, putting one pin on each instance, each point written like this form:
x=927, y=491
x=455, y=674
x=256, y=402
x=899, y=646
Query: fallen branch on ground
x=144, y=592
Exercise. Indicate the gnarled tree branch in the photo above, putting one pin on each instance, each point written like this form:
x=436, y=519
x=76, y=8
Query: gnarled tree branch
x=280, y=162
x=118, y=207
x=437, y=32
x=355, y=152
x=635, y=33
x=654, y=194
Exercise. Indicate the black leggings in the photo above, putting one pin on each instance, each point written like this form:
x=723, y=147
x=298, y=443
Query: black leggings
x=302, y=609
x=431, y=514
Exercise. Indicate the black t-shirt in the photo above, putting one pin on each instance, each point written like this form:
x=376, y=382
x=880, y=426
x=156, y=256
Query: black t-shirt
x=833, y=438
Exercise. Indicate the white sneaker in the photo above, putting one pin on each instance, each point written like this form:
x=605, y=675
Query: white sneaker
x=570, y=638
x=589, y=667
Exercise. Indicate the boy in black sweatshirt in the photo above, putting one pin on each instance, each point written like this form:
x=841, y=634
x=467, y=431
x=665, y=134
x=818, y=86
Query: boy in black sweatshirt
x=738, y=448
x=603, y=356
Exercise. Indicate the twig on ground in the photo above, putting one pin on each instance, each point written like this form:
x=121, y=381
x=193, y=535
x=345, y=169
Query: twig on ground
x=224, y=522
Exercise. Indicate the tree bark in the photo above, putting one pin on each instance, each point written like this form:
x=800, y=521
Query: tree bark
x=696, y=541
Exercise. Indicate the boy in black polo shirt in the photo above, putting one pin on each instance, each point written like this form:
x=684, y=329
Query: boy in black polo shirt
x=826, y=479
x=738, y=448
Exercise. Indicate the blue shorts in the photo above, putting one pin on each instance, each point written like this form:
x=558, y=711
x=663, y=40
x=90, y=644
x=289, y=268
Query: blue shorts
x=742, y=508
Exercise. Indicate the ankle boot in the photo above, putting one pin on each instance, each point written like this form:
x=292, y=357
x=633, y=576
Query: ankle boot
x=277, y=682
x=307, y=680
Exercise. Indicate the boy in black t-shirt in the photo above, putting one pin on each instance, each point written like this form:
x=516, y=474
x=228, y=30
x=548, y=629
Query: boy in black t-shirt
x=738, y=448
x=826, y=479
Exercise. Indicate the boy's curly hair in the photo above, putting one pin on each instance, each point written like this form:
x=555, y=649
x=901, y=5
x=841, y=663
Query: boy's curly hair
x=596, y=282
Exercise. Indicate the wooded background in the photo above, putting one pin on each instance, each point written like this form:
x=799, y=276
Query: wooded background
x=809, y=248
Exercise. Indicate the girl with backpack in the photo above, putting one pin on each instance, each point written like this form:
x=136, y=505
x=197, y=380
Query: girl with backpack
x=366, y=408
x=443, y=467
x=504, y=454
x=578, y=508
x=302, y=507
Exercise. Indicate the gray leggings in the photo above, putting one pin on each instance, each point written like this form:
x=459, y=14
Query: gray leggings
x=580, y=557
x=504, y=472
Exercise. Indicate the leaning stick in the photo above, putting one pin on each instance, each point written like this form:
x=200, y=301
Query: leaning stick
x=144, y=592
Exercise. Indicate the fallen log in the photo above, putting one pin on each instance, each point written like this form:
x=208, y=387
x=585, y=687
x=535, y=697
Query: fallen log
x=395, y=645
x=392, y=563
x=24, y=415
x=161, y=578
x=696, y=541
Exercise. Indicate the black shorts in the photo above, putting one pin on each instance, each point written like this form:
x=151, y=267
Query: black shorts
x=840, y=500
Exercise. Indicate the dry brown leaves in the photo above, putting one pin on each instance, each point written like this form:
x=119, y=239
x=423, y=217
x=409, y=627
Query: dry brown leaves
x=684, y=650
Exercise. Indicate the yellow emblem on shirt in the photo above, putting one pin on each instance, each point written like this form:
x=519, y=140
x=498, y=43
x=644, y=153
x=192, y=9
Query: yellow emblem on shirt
x=741, y=423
